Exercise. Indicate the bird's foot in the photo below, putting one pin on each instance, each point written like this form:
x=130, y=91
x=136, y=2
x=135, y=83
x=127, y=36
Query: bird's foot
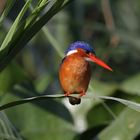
x=82, y=94
x=67, y=94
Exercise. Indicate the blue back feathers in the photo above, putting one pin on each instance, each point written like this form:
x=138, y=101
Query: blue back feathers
x=80, y=44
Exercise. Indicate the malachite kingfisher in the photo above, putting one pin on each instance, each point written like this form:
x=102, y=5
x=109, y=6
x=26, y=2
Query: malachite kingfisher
x=75, y=71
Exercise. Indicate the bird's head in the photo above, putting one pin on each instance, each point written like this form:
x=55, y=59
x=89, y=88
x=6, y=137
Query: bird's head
x=86, y=51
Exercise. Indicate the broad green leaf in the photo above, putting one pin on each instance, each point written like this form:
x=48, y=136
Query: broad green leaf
x=132, y=85
x=133, y=105
x=110, y=108
x=45, y=102
x=125, y=127
x=38, y=123
x=14, y=26
x=110, y=111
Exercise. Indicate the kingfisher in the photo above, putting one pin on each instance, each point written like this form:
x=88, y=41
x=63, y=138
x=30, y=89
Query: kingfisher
x=75, y=70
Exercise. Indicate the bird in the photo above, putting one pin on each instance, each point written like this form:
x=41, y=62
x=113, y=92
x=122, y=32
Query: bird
x=75, y=70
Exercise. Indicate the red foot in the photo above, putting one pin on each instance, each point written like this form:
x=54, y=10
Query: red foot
x=67, y=94
x=82, y=94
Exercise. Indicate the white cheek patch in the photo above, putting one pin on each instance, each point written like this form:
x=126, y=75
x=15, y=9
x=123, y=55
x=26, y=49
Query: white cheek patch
x=71, y=52
x=88, y=59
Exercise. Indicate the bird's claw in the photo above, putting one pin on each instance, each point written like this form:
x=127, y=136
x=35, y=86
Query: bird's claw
x=67, y=94
x=82, y=94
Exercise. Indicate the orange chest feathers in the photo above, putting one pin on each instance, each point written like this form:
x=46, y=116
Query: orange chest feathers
x=74, y=74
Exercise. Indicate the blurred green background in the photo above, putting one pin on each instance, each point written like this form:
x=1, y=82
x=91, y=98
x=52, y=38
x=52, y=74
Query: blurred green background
x=112, y=28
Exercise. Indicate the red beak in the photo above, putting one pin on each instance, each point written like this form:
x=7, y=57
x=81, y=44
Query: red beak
x=99, y=61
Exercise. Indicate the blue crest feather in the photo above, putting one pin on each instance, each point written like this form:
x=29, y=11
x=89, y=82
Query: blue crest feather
x=80, y=44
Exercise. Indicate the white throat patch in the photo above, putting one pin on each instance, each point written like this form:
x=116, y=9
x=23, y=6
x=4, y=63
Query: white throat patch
x=71, y=52
x=88, y=59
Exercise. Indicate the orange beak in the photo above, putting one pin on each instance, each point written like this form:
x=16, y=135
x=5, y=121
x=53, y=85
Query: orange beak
x=99, y=61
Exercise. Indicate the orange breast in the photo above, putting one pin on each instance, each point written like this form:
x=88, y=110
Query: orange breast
x=74, y=74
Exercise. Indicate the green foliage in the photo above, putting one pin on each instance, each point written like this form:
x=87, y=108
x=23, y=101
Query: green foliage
x=9, y=77
x=32, y=104
x=27, y=29
x=129, y=130
x=132, y=85
x=13, y=28
x=6, y=128
x=37, y=121
x=7, y=9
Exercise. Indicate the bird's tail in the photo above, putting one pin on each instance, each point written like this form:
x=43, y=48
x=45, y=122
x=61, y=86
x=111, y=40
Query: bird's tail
x=74, y=100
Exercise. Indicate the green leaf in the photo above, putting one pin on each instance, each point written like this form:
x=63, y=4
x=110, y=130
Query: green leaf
x=125, y=127
x=14, y=26
x=131, y=85
x=38, y=123
x=9, y=4
x=53, y=42
x=35, y=12
x=107, y=89
x=110, y=109
x=45, y=102
x=133, y=105
x=23, y=37
x=7, y=130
